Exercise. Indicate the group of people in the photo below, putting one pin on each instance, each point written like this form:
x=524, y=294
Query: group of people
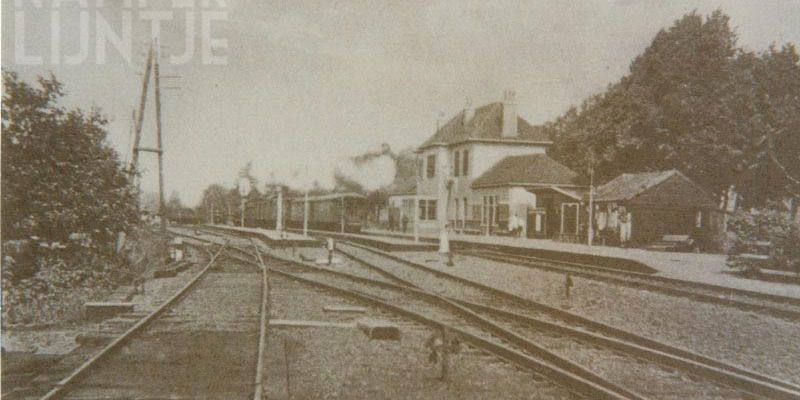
x=614, y=225
x=516, y=225
x=395, y=225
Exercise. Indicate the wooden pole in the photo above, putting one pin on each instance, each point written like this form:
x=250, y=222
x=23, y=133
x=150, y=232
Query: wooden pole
x=140, y=117
x=161, y=205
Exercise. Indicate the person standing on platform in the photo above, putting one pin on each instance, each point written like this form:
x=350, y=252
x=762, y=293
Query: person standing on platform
x=624, y=227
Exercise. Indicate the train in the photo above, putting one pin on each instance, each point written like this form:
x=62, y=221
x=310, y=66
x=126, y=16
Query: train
x=340, y=212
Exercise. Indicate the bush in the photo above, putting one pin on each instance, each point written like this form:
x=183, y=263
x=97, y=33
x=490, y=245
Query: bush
x=779, y=232
x=65, y=279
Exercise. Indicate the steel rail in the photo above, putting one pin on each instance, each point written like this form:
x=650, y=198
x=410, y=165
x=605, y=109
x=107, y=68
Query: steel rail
x=680, y=288
x=262, y=336
x=722, y=290
x=562, y=376
x=63, y=385
x=746, y=380
x=723, y=373
x=483, y=323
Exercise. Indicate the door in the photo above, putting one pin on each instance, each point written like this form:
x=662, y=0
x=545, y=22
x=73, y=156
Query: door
x=537, y=223
x=569, y=219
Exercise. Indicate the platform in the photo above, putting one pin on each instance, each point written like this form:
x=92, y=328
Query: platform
x=385, y=243
x=692, y=267
x=270, y=236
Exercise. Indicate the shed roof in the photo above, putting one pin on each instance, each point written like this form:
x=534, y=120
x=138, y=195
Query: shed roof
x=527, y=170
x=629, y=186
x=485, y=125
x=573, y=193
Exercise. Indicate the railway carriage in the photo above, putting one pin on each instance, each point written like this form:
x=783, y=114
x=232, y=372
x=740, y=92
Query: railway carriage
x=343, y=212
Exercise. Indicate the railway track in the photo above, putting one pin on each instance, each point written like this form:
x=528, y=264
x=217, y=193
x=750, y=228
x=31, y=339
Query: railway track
x=436, y=311
x=653, y=369
x=556, y=327
x=775, y=305
x=201, y=342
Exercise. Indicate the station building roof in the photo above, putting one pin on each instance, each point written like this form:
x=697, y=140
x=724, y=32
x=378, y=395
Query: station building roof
x=533, y=170
x=485, y=126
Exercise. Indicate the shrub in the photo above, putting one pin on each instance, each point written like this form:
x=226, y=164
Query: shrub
x=769, y=225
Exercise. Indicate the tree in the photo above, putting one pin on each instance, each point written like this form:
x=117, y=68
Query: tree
x=174, y=205
x=214, y=202
x=694, y=101
x=59, y=174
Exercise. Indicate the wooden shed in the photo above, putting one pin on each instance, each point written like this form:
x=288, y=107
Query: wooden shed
x=650, y=206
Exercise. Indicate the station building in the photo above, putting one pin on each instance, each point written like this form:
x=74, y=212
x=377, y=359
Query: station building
x=487, y=163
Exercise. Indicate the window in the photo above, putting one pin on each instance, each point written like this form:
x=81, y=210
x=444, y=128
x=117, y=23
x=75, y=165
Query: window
x=491, y=213
x=427, y=210
x=431, y=170
x=431, y=210
x=465, y=170
x=456, y=163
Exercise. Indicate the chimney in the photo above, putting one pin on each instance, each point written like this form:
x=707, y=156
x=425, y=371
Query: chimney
x=439, y=120
x=469, y=111
x=509, y=114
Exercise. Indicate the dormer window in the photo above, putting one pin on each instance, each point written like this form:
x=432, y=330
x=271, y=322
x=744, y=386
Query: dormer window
x=456, y=163
x=431, y=167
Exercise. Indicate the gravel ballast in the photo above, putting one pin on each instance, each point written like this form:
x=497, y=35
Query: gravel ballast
x=759, y=342
x=335, y=362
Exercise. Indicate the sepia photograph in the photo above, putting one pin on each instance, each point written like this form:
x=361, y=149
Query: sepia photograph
x=377, y=199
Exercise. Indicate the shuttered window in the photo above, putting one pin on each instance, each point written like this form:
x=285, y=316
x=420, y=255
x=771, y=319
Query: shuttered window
x=465, y=162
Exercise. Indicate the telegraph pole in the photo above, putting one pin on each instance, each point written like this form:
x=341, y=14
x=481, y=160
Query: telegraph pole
x=159, y=149
x=140, y=117
x=151, y=66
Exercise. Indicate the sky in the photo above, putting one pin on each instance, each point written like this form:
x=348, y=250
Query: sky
x=295, y=86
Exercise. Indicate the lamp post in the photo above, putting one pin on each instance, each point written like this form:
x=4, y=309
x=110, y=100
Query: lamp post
x=444, y=238
x=305, y=205
x=590, y=231
x=305, y=215
x=244, y=190
x=279, y=213
x=416, y=207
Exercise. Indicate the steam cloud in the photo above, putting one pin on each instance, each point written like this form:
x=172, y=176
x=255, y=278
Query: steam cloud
x=372, y=173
